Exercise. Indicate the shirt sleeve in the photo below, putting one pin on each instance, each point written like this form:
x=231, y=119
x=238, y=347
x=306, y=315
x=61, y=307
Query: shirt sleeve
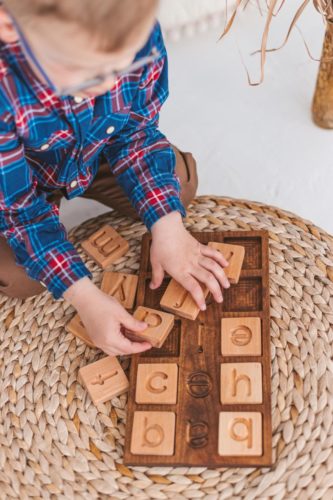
x=140, y=156
x=29, y=223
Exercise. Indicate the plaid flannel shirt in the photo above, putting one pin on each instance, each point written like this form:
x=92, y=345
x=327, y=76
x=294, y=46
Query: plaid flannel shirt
x=47, y=142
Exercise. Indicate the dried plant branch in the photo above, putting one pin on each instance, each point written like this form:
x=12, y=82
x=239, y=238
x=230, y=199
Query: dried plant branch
x=324, y=7
x=292, y=25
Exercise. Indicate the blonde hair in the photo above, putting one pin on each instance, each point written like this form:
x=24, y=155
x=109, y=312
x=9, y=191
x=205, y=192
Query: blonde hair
x=112, y=22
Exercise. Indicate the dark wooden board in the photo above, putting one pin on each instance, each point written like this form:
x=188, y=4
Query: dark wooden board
x=196, y=347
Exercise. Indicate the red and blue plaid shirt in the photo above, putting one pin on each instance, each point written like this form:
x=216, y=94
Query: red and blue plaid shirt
x=47, y=142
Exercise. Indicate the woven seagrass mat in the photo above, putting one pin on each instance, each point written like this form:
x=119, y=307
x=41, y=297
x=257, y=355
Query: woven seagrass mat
x=56, y=444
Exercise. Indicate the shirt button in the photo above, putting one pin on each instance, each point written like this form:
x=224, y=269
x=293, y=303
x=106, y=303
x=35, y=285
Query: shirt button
x=109, y=130
x=78, y=99
x=44, y=146
x=73, y=184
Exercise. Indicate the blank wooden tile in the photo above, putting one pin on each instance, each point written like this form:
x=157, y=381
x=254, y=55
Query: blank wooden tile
x=76, y=327
x=105, y=246
x=179, y=301
x=234, y=255
x=121, y=286
x=104, y=379
x=241, y=383
x=153, y=433
x=241, y=336
x=240, y=433
x=157, y=383
x=159, y=323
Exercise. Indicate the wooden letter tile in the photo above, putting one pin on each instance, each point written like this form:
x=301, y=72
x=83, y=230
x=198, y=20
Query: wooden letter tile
x=153, y=433
x=234, y=255
x=240, y=433
x=157, y=383
x=104, y=379
x=241, y=383
x=105, y=246
x=159, y=324
x=121, y=286
x=241, y=336
x=179, y=301
x=76, y=327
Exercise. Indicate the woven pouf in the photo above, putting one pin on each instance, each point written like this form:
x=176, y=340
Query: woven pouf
x=56, y=444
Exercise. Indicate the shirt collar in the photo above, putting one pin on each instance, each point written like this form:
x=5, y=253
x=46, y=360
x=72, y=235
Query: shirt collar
x=18, y=62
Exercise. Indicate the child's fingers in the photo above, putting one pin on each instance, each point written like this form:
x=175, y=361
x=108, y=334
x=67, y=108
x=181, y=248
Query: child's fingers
x=127, y=346
x=122, y=338
x=131, y=323
x=192, y=286
x=128, y=350
x=157, y=275
x=214, y=254
x=216, y=269
x=210, y=281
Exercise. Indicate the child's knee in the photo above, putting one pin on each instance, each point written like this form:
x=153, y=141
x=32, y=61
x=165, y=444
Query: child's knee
x=186, y=169
x=14, y=281
x=21, y=288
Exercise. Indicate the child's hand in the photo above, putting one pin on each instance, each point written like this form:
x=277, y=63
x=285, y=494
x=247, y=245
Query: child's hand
x=104, y=319
x=187, y=260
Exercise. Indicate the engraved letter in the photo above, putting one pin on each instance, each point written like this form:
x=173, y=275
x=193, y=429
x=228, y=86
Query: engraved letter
x=100, y=379
x=155, y=389
x=248, y=426
x=199, y=384
x=153, y=440
x=179, y=302
x=109, y=248
x=200, y=329
x=196, y=434
x=241, y=335
x=153, y=319
x=230, y=256
x=100, y=239
x=118, y=289
x=236, y=379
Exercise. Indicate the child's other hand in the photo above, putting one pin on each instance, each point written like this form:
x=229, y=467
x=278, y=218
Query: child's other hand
x=104, y=319
x=187, y=260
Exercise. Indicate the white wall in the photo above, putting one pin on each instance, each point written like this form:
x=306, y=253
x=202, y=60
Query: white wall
x=258, y=142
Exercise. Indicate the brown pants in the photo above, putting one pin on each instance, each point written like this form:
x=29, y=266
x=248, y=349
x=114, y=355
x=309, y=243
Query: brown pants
x=15, y=282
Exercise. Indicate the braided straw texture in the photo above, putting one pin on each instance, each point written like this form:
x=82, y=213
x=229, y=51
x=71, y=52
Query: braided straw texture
x=54, y=443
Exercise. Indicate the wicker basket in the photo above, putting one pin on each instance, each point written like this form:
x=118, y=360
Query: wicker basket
x=56, y=444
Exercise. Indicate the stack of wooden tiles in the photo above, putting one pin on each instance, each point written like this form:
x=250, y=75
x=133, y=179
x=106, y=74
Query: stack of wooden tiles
x=204, y=397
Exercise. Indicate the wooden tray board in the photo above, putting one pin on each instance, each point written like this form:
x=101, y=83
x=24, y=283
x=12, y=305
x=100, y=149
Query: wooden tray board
x=196, y=347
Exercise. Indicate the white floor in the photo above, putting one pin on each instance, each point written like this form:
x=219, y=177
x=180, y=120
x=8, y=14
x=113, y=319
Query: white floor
x=257, y=143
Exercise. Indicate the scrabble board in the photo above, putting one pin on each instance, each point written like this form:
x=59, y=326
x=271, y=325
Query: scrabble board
x=204, y=397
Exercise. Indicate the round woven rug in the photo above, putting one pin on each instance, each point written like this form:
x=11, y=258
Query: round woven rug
x=56, y=444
